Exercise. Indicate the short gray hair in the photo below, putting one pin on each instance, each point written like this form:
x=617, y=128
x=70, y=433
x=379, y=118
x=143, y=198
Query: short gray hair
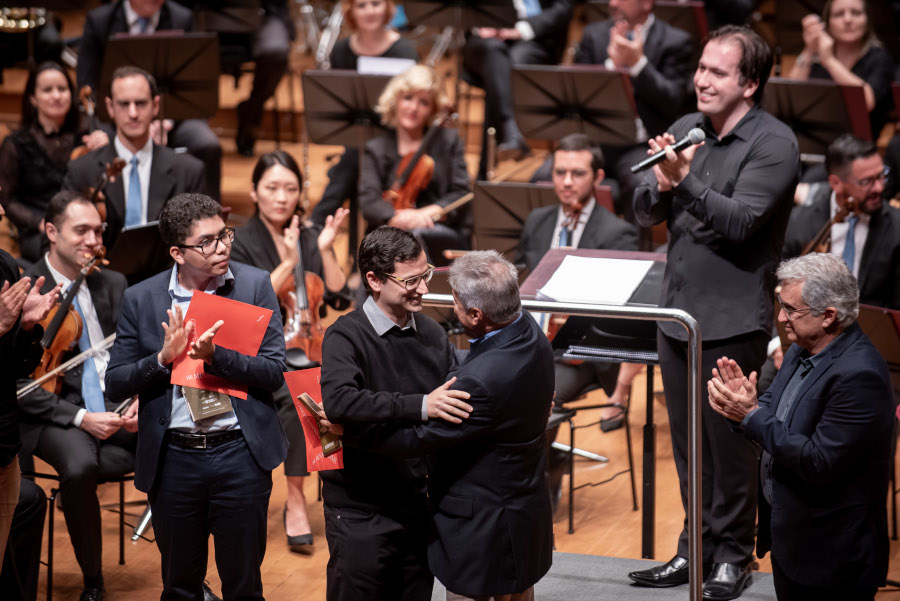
x=827, y=282
x=485, y=280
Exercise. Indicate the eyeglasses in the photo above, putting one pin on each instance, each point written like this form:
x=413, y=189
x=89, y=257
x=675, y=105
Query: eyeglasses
x=791, y=312
x=209, y=247
x=870, y=181
x=412, y=282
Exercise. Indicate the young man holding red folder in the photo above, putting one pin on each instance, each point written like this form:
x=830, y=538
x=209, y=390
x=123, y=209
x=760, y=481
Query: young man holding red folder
x=211, y=476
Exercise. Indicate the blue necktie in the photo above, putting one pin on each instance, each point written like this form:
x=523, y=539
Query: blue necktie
x=134, y=204
x=532, y=8
x=850, y=244
x=90, y=379
x=143, y=24
x=563, y=236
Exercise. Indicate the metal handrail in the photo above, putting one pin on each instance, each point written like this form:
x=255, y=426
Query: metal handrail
x=694, y=515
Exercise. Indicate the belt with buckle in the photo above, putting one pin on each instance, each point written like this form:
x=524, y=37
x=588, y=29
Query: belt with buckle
x=191, y=440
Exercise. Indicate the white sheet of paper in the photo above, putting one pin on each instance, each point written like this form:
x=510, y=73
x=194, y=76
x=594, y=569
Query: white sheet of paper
x=595, y=281
x=380, y=65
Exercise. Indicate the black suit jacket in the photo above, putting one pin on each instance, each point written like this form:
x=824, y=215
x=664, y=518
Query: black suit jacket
x=663, y=85
x=602, y=231
x=828, y=520
x=879, y=267
x=170, y=174
x=486, y=481
x=40, y=408
x=134, y=369
x=106, y=21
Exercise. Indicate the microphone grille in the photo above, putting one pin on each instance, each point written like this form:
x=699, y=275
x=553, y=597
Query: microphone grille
x=696, y=135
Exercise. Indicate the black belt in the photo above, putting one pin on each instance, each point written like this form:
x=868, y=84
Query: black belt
x=203, y=441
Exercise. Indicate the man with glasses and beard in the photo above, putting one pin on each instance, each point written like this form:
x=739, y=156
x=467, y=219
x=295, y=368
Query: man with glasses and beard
x=868, y=238
x=379, y=363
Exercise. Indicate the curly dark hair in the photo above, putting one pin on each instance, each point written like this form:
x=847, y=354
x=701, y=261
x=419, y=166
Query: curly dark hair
x=177, y=219
x=384, y=247
x=29, y=112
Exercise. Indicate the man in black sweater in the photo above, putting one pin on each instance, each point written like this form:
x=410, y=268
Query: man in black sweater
x=379, y=362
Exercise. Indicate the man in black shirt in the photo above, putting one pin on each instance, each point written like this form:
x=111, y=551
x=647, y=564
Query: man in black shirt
x=378, y=363
x=727, y=204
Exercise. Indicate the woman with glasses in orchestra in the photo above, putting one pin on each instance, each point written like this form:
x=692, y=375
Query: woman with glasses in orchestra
x=842, y=46
x=273, y=240
x=410, y=105
x=371, y=35
x=33, y=158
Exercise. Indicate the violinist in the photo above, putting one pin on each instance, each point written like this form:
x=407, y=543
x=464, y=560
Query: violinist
x=153, y=174
x=273, y=240
x=579, y=222
x=371, y=36
x=33, y=158
x=76, y=431
x=409, y=105
x=867, y=235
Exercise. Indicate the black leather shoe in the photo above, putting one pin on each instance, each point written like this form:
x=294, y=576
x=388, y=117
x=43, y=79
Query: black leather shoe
x=92, y=594
x=516, y=149
x=208, y=595
x=302, y=543
x=672, y=573
x=727, y=581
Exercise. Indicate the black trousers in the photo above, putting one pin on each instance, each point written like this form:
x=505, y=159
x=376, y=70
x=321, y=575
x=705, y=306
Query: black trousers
x=80, y=460
x=22, y=561
x=343, y=182
x=788, y=590
x=219, y=491
x=377, y=556
x=730, y=461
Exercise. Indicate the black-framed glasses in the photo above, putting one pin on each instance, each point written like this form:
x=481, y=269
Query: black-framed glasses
x=870, y=181
x=412, y=282
x=209, y=247
x=791, y=312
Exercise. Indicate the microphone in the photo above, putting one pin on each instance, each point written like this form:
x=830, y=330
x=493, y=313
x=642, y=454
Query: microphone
x=695, y=136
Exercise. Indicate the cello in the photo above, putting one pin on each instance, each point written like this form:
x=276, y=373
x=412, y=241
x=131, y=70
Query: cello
x=62, y=328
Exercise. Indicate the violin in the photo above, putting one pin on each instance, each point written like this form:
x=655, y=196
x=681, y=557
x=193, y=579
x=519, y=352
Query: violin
x=301, y=297
x=112, y=171
x=822, y=240
x=62, y=328
x=85, y=96
x=416, y=168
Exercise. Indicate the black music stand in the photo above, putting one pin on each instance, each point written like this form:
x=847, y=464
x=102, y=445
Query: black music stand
x=226, y=16
x=185, y=66
x=553, y=102
x=340, y=110
x=139, y=252
x=689, y=15
x=462, y=15
x=499, y=212
x=613, y=340
x=818, y=111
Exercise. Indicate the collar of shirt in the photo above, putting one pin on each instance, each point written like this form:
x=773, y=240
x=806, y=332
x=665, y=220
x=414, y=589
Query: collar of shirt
x=144, y=155
x=180, y=294
x=839, y=233
x=132, y=17
x=743, y=130
x=380, y=321
x=578, y=230
x=477, y=341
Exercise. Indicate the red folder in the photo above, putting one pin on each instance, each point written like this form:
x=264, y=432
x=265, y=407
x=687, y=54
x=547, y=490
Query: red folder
x=307, y=380
x=243, y=331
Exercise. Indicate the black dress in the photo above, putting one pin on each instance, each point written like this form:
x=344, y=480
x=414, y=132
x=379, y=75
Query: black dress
x=876, y=68
x=32, y=168
x=343, y=176
x=253, y=245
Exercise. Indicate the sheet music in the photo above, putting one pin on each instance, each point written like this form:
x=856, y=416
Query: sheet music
x=594, y=280
x=381, y=65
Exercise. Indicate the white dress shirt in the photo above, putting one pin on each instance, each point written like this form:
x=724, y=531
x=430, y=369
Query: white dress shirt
x=575, y=235
x=145, y=160
x=839, y=236
x=134, y=27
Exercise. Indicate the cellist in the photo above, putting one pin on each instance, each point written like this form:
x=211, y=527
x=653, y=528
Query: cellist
x=409, y=106
x=75, y=431
x=273, y=240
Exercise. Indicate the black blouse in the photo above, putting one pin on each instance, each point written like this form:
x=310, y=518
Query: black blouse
x=343, y=57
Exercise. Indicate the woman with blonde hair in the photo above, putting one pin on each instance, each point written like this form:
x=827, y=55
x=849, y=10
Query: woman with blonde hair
x=409, y=105
x=842, y=46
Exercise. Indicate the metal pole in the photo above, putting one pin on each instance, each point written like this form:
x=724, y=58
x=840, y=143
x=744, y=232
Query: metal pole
x=694, y=515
